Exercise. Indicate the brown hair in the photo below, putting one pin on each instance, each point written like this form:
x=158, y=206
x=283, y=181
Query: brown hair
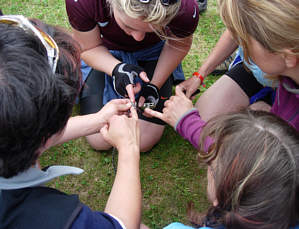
x=256, y=172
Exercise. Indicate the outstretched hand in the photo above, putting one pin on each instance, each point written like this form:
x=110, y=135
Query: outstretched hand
x=174, y=108
x=122, y=131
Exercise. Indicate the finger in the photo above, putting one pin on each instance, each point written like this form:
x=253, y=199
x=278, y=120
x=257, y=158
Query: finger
x=141, y=101
x=104, y=131
x=153, y=113
x=130, y=92
x=120, y=101
x=137, y=88
x=123, y=107
x=179, y=91
x=134, y=113
x=144, y=77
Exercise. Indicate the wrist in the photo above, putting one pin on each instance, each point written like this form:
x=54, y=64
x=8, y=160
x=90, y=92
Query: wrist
x=115, y=68
x=200, y=77
x=156, y=84
x=128, y=152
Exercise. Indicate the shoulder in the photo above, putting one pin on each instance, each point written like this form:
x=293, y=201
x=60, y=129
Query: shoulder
x=84, y=14
x=186, y=20
x=177, y=225
x=95, y=219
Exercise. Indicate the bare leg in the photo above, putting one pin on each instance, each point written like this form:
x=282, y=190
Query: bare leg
x=224, y=96
x=150, y=135
x=143, y=226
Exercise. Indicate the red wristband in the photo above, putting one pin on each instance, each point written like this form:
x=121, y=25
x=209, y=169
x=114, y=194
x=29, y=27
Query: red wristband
x=199, y=76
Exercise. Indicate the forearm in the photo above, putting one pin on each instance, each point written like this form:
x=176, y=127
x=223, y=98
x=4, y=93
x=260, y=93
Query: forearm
x=171, y=56
x=100, y=59
x=190, y=127
x=125, y=198
x=94, y=53
x=223, y=49
x=80, y=126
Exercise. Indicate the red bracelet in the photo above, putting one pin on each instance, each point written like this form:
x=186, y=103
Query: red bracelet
x=199, y=76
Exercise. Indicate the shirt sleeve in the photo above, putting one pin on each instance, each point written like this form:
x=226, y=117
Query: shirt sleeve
x=190, y=127
x=177, y=225
x=95, y=220
x=185, y=22
x=81, y=14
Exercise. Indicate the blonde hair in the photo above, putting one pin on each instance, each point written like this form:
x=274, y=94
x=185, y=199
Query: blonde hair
x=273, y=23
x=152, y=12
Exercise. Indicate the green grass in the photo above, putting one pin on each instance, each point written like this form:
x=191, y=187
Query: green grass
x=170, y=173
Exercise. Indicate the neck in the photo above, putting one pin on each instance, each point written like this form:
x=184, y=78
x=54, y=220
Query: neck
x=293, y=73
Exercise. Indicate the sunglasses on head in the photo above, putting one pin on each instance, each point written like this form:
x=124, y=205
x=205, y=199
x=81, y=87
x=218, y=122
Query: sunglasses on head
x=163, y=2
x=48, y=42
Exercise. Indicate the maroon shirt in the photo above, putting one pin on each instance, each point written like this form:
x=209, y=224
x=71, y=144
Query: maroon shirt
x=84, y=15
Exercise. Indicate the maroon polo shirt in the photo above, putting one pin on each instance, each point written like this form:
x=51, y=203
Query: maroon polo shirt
x=84, y=15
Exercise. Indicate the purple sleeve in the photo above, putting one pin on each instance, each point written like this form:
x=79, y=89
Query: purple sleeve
x=81, y=14
x=286, y=102
x=190, y=127
x=93, y=220
x=186, y=21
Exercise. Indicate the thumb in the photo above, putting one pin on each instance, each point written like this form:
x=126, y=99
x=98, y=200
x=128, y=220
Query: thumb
x=179, y=91
x=123, y=106
x=104, y=131
x=130, y=92
x=143, y=76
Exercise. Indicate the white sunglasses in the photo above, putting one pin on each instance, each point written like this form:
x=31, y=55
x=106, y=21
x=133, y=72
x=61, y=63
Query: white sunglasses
x=47, y=40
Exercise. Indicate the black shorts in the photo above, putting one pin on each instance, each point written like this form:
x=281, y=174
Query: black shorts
x=248, y=83
x=91, y=96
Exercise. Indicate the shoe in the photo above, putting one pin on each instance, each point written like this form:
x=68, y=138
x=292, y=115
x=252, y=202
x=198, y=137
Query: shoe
x=202, y=5
x=223, y=67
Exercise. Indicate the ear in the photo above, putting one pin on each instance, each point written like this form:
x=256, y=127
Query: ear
x=291, y=60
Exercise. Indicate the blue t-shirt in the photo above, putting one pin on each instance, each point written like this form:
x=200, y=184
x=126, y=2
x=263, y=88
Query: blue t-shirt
x=94, y=220
x=177, y=225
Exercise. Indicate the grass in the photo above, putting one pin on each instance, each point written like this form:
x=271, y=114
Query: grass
x=170, y=173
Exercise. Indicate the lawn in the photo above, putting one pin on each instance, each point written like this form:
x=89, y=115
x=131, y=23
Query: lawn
x=170, y=173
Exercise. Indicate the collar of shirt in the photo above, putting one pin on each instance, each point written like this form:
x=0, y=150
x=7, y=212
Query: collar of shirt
x=35, y=177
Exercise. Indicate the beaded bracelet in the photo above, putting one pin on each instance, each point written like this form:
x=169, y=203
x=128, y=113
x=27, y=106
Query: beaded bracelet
x=199, y=76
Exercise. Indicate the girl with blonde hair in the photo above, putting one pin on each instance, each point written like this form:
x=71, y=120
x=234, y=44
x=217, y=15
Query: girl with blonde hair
x=140, y=43
x=274, y=24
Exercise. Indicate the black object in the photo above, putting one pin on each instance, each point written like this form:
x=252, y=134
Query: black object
x=202, y=5
x=151, y=94
x=124, y=74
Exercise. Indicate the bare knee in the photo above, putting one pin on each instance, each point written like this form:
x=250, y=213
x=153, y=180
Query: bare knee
x=224, y=96
x=97, y=142
x=151, y=134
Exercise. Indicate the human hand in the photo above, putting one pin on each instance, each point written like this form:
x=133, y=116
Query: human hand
x=149, y=94
x=123, y=79
x=122, y=131
x=190, y=86
x=114, y=107
x=174, y=108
